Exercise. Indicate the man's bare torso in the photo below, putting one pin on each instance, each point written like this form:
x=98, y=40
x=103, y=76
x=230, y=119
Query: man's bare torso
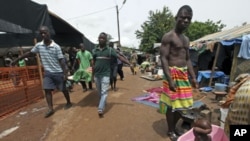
x=178, y=47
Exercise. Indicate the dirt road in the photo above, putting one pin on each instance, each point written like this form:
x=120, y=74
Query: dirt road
x=124, y=119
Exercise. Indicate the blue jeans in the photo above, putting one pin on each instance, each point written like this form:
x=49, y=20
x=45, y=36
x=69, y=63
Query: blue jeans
x=102, y=85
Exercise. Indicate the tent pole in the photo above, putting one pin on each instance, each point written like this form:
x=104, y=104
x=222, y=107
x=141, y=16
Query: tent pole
x=21, y=50
x=234, y=63
x=214, y=64
x=39, y=67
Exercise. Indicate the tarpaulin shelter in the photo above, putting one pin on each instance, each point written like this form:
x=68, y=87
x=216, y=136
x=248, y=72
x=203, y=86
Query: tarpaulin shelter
x=227, y=36
x=21, y=19
x=19, y=23
x=222, y=41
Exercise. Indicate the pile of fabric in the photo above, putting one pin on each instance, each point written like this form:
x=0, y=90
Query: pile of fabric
x=241, y=79
x=238, y=103
x=151, y=96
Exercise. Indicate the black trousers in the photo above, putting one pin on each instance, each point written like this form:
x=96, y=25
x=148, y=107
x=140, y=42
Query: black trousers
x=120, y=71
x=84, y=86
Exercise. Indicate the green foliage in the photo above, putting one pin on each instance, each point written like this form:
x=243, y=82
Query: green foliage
x=198, y=29
x=160, y=22
x=152, y=30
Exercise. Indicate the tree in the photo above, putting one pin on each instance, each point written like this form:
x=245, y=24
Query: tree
x=198, y=29
x=153, y=29
x=163, y=21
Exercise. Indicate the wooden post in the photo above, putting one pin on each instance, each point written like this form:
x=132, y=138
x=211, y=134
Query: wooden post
x=234, y=63
x=39, y=67
x=214, y=64
x=21, y=50
x=24, y=76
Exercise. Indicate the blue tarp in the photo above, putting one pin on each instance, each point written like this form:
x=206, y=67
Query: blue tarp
x=207, y=74
x=231, y=42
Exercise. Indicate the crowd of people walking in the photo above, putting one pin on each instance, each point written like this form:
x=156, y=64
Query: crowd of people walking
x=99, y=66
x=104, y=64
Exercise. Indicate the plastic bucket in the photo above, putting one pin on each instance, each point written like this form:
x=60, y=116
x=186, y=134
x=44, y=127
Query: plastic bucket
x=217, y=134
x=223, y=115
x=160, y=72
x=220, y=87
x=226, y=80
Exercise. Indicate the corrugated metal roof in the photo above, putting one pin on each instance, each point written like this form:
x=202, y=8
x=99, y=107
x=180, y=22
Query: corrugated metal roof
x=229, y=34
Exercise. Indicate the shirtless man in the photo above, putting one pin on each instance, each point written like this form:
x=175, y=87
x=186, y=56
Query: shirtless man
x=176, y=63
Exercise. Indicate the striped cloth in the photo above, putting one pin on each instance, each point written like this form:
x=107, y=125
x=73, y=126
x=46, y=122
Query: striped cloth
x=181, y=99
x=232, y=92
x=239, y=110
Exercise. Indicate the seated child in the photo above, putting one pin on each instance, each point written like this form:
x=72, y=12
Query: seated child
x=201, y=129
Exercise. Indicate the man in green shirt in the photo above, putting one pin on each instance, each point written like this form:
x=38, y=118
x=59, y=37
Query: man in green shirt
x=84, y=73
x=102, y=60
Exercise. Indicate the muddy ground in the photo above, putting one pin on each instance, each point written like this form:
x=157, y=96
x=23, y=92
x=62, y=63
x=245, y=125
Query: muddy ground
x=124, y=119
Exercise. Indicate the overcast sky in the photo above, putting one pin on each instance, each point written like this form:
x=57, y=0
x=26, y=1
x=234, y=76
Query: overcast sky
x=92, y=17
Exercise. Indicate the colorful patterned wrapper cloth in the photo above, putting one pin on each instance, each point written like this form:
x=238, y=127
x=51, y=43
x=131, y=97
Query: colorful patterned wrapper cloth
x=182, y=99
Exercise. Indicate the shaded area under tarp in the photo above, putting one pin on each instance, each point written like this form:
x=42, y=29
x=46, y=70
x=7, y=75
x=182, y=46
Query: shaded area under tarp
x=21, y=19
x=226, y=58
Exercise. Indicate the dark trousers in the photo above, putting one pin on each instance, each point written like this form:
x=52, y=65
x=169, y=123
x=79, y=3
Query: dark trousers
x=120, y=71
x=84, y=86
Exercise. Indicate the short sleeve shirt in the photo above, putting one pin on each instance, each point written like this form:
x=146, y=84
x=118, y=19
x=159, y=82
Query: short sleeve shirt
x=84, y=58
x=102, y=59
x=49, y=55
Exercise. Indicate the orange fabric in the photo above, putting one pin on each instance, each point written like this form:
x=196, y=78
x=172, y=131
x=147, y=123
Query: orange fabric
x=232, y=92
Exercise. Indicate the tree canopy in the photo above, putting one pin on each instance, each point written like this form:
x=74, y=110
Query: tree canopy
x=160, y=22
x=198, y=29
x=152, y=30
